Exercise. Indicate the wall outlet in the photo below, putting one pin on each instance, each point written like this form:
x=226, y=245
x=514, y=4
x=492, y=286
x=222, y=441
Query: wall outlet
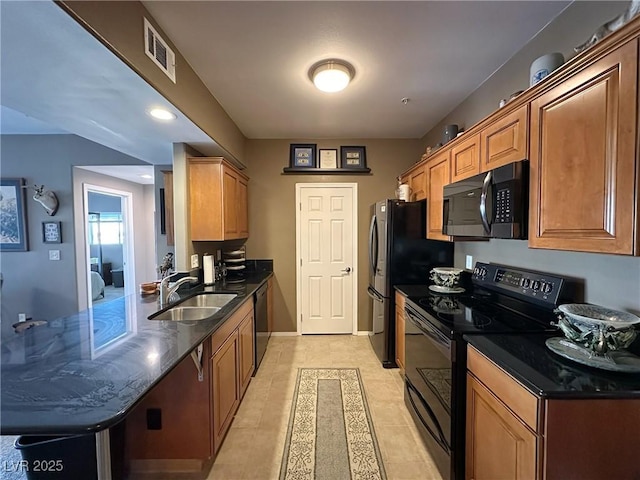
x=22, y=317
x=194, y=261
x=54, y=254
x=469, y=262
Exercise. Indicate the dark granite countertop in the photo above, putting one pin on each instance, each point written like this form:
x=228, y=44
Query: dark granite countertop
x=85, y=372
x=413, y=290
x=529, y=361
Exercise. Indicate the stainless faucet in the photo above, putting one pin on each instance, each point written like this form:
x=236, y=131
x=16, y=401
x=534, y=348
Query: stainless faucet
x=167, y=295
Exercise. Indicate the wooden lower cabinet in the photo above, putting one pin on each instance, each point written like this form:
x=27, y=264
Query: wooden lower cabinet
x=225, y=388
x=246, y=343
x=180, y=425
x=400, y=301
x=499, y=444
x=513, y=434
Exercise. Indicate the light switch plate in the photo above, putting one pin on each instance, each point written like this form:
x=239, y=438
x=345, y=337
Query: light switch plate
x=469, y=262
x=54, y=254
x=194, y=261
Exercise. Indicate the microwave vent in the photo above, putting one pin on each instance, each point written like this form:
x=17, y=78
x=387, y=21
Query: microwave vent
x=157, y=50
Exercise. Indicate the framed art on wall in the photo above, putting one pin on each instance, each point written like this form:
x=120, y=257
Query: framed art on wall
x=302, y=155
x=13, y=224
x=52, y=232
x=353, y=157
x=328, y=158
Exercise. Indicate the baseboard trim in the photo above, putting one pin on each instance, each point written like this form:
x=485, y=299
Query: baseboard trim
x=364, y=332
x=284, y=334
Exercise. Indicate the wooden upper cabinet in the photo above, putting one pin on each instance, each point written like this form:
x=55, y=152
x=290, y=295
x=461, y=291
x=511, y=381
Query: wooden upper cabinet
x=218, y=206
x=418, y=183
x=465, y=159
x=438, y=175
x=505, y=140
x=168, y=206
x=583, y=148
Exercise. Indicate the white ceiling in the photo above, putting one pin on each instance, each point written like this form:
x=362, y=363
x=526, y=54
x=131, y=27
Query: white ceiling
x=254, y=57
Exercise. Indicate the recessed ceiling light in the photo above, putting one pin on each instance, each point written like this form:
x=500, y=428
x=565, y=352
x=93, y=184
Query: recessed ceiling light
x=331, y=75
x=146, y=175
x=162, y=114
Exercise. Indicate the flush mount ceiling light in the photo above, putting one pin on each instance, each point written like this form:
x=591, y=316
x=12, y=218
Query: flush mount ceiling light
x=162, y=114
x=331, y=75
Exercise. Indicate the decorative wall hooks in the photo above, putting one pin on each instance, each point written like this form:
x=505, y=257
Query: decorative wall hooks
x=47, y=199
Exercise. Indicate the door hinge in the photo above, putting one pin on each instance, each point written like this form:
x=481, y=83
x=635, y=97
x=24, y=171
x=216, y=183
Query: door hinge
x=300, y=206
x=300, y=262
x=300, y=317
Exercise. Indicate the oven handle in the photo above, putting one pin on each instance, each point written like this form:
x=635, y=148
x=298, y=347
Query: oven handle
x=429, y=331
x=375, y=295
x=483, y=203
x=439, y=437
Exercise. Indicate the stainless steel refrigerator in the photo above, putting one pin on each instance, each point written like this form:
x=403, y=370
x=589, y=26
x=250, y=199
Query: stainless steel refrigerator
x=399, y=254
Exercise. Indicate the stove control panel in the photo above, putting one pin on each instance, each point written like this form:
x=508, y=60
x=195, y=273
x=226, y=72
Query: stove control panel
x=537, y=286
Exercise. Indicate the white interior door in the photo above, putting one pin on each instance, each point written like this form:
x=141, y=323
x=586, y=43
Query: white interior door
x=326, y=231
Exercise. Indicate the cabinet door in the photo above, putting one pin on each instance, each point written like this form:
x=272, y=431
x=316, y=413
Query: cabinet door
x=168, y=206
x=438, y=175
x=205, y=199
x=247, y=364
x=230, y=202
x=225, y=388
x=242, y=206
x=498, y=444
x=505, y=140
x=418, y=184
x=583, y=147
x=400, y=301
x=465, y=159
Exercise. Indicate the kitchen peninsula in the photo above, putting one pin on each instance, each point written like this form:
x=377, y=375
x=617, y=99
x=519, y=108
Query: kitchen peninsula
x=83, y=374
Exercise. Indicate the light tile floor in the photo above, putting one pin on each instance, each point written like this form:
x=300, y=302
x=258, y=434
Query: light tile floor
x=255, y=442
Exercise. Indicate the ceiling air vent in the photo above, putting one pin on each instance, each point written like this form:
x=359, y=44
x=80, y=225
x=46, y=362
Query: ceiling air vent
x=158, y=50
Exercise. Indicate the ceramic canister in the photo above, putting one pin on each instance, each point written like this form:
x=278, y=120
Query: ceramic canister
x=543, y=66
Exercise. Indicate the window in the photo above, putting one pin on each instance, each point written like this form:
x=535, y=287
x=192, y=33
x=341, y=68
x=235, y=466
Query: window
x=106, y=228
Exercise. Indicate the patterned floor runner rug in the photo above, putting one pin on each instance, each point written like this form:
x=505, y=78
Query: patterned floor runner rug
x=330, y=433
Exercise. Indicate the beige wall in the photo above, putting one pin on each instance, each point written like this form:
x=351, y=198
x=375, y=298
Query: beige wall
x=272, y=217
x=120, y=26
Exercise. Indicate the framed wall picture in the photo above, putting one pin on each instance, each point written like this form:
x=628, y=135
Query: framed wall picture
x=13, y=228
x=52, y=232
x=353, y=157
x=328, y=158
x=302, y=155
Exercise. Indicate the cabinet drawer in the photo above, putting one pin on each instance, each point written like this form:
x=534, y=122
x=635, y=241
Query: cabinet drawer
x=219, y=337
x=522, y=402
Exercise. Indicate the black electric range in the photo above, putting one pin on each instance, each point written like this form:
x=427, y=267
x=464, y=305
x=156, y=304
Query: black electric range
x=499, y=300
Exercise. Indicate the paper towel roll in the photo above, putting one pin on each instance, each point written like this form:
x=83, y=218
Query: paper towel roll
x=208, y=265
x=404, y=192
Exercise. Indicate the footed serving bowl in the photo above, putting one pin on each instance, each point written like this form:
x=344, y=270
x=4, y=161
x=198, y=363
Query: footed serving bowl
x=597, y=328
x=448, y=277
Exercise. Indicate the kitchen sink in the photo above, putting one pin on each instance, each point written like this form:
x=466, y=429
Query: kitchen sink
x=217, y=300
x=179, y=313
x=200, y=307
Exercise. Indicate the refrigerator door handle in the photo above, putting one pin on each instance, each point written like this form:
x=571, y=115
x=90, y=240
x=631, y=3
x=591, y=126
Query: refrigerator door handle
x=375, y=295
x=373, y=240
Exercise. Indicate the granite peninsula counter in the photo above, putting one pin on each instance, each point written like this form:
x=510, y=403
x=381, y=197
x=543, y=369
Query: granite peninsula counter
x=84, y=373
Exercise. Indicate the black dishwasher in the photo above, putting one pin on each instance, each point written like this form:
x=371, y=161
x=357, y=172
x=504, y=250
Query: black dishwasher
x=261, y=324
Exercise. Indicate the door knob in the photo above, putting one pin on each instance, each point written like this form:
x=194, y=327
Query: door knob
x=347, y=270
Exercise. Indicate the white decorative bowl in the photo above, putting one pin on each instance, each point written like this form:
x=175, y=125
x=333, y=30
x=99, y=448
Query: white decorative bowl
x=599, y=328
x=446, y=276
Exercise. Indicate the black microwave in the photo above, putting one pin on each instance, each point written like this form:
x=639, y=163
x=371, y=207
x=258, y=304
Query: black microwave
x=492, y=205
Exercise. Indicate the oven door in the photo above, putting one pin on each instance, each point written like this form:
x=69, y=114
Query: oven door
x=428, y=370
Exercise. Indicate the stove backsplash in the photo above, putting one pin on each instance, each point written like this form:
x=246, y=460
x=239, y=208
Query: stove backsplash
x=609, y=280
